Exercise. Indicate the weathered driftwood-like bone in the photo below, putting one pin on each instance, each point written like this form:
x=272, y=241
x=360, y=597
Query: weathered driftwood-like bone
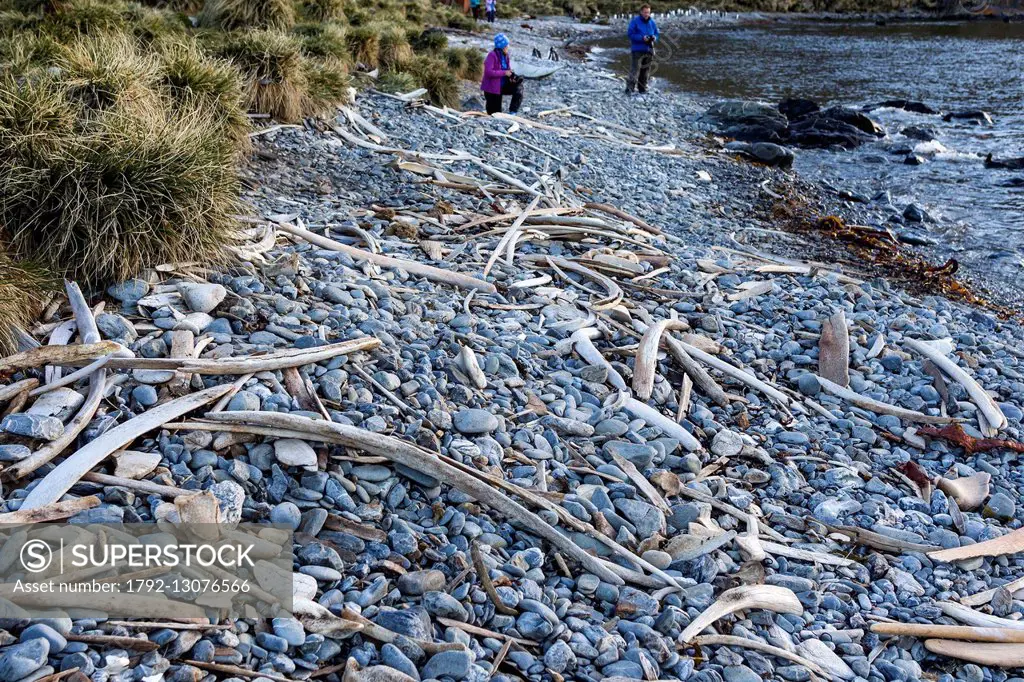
x=879, y=407
x=985, y=596
x=763, y=647
x=767, y=597
x=966, y=614
x=655, y=418
x=647, y=356
x=834, y=350
x=430, y=272
x=999, y=655
x=697, y=374
x=994, y=419
x=1011, y=543
x=59, y=355
x=961, y=632
x=71, y=470
x=970, y=492
x=585, y=348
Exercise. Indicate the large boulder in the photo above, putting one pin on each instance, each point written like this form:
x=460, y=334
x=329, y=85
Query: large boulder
x=817, y=130
x=795, y=108
x=856, y=119
x=733, y=113
x=764, y=152
x=906, y=105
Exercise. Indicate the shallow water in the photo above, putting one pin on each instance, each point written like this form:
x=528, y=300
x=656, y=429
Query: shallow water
x=950, y=66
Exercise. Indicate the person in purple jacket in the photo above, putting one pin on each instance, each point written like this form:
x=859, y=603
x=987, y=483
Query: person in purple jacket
x=499, y=79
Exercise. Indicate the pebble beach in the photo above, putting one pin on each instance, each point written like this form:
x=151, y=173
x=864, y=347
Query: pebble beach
x=721, y=505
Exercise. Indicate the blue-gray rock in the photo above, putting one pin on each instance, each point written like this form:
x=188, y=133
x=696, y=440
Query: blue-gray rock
x=129, y=291
x=1000, y=506
x=726, y=443
x=453, y=664
x=808, y=384
x=559, y=657
x=417, y=583
x=286, y=514
x=472, y=421
x=290, y=630
x=647, y=518
x=145, y=395
x=444, y=605
x=56, y=640
x=33, y=426
x=392, y=656
x=21, y=660
x=640, y=455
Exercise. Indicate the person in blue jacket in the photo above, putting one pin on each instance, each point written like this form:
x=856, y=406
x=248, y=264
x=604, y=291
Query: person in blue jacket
x=643, y=33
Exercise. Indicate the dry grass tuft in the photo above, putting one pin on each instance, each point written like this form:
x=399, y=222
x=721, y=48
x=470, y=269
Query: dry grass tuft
x=397, y=82
x=107, y=71
x=273, y=76
x=325, y=41
x=395, y=49
x=130, y=188
x=465, y=62
x=241, y=14
x=430, y=40
x=364, y=44
x=328, y=86
x=323, y=10
x=23, y=287
x=191, y=78
x=442, y=85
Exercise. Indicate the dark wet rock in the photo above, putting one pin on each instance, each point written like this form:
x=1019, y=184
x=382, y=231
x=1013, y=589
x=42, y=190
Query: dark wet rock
x=742, y=113
x=764, y=152
x=818, y=130
x=918, y=133
x=794, y=108
x=906, y=105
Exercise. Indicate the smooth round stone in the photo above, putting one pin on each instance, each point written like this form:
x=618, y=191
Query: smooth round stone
x=417, y=583
x=473, y=421
x=587, y=583
x=145, y=395
x=726, y=443
x=286, y=514
x=657, y=558
x=322, y=573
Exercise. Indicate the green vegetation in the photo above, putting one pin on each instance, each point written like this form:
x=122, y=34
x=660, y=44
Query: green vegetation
x=122, y=124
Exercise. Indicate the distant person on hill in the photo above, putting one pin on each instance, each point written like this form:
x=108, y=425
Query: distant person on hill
x=499, y=79
x=492, y=11
x=474, y=6
x=643, y=33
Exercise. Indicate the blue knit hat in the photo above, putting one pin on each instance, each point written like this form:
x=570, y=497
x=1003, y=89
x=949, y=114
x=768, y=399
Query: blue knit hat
x=501, y=41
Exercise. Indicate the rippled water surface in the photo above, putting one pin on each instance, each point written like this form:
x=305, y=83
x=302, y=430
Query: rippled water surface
x=950, y=66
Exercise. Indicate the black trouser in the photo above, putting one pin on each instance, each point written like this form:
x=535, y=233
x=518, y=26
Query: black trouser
x=491, y=15
x=639, y=71
x=476, y=12
x=507, y=88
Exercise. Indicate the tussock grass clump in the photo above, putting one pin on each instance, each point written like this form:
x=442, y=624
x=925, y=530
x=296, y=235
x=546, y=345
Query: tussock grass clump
x=84, y=17
x=364, y=45
x=394, y=48
x=152, y=26
x=461, y=22
x=23, y=287
x=25, y=52
x=442, y=85
x=328, y=86
x=133, y=188
x=273, y=75
x=397, y=82
x=324, y=41
x=465, y=62
x=239, y=14
x=430, y=40
x=193, y=79
x=105, y=71
x=323, y=10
